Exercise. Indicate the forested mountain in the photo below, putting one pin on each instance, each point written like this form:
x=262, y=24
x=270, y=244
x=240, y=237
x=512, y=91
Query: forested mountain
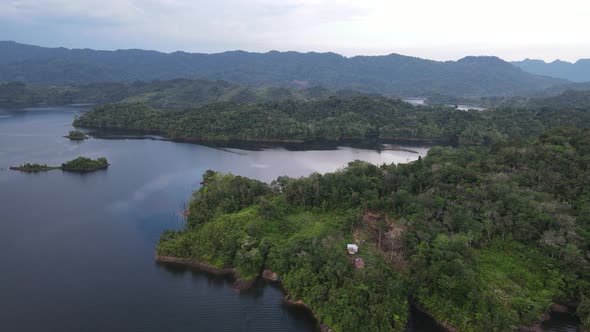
x=392, y=74
x=335, y=118
x=573, y=95
x=578, y=71
x=165, y=94
x=483, y=238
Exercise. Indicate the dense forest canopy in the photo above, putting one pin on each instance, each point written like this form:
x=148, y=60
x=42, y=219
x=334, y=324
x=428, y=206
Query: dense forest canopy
x=84, y=164
x=168, y=94
x=335, y=118
x=483, y=238
x=392, y=74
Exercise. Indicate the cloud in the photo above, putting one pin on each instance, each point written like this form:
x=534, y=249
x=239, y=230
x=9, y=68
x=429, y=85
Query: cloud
x=440, y=28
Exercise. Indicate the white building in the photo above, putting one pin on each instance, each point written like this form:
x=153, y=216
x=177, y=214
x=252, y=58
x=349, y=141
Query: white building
x=352, y=248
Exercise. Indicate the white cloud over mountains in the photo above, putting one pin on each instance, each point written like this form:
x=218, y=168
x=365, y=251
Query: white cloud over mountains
x=427, y=28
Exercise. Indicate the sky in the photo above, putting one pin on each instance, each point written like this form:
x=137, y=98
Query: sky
x=433, y=29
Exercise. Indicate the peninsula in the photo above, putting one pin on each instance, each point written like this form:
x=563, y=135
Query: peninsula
x=481, y=238
x=357, y=118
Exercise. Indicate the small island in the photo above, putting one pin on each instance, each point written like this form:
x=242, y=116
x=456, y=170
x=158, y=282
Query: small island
x=80, y=164
x=31, y=168
x=83, y=164
x=76, y=135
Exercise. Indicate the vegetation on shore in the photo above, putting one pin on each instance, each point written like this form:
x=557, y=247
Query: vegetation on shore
x=31, y=168
x=80, y=164
x=335, y=118
x=83, y=164
x=76, y=135
x=242, y=224
x=483, y=238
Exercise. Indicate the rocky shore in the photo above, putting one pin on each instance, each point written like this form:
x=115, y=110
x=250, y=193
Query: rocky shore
x=268, y=275
x=238, y=283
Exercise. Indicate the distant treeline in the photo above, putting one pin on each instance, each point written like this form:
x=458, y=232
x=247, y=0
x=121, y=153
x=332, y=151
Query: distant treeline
x=335, y=118
x=162, y=94
x=575, y=95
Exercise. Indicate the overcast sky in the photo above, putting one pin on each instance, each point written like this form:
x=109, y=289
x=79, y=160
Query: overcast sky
x=435, y=29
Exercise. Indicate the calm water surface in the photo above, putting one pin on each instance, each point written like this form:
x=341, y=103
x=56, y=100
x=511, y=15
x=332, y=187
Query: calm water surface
x=77, y=250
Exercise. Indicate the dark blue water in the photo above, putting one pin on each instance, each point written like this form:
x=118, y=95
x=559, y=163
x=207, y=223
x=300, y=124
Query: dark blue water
x=77, y=251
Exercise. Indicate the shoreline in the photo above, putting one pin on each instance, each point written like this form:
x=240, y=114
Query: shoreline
x=267, y=275
x=379, y=143
x=533, y=327
x=74, y=138
x=33, y=170
x=51, y=168
x=229, y=271
x=442, y=324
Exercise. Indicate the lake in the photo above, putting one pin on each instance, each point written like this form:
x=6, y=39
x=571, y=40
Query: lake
x=77, y=250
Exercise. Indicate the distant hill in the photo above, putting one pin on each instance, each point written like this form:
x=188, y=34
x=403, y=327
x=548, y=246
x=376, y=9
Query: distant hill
x=566, y=99
x=392, y=74
x=567, y=96
x=176, y=93
x=560, y=88
x=576, y=72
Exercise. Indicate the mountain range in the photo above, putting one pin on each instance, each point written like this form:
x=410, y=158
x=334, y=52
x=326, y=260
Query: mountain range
x=578, y=71
x=394, y=74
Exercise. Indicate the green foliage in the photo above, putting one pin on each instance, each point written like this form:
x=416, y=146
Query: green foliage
x=584, y=311
x=491, y=235
x=80, y=164
x=28, y=167
x=336, y=118
x=498, y=288
x=76, y=135
x=306, y=249
x=223, y=194
x=83, y=164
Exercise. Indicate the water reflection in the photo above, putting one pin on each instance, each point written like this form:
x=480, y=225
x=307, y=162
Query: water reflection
x=78, y=250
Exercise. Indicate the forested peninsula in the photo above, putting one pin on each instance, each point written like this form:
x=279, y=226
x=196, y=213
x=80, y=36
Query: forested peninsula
x=335, y=118
x=483, y=238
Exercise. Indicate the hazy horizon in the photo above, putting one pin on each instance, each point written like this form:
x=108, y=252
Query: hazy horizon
x=427, y=29
x=283, y=51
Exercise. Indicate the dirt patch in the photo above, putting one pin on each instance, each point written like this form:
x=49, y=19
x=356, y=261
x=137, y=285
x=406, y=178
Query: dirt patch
x=386, y=235
x=270, y=275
